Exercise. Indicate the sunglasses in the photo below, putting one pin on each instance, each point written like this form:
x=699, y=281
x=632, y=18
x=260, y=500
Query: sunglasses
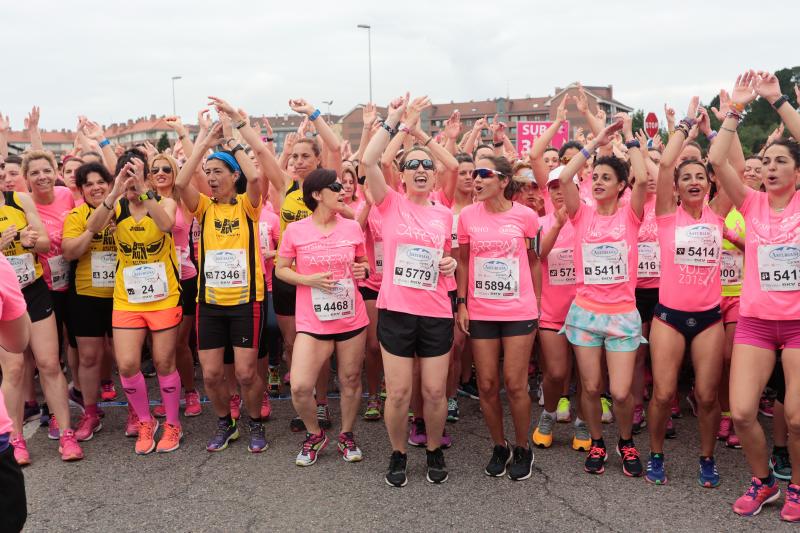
x=335, y=186
x=565, y=160
x=485, y=173
x=413, y=164
x=165, y=170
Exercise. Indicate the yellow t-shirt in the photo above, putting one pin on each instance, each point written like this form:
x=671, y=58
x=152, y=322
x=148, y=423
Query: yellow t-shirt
x=229, y=257
x=293, y=208
x=732, y=267
x=93, y=272
x=147, y=266
x=25, y=262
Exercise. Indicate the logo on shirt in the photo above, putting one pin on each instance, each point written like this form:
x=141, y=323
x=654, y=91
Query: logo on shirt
x=139, y=251
x=226, y=226
x=495, y=267
x=511, y=230
x=419, y=254
x=605, y=251
x=785, y=253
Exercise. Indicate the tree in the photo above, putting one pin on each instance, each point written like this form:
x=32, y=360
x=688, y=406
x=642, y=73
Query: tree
x=163, y=142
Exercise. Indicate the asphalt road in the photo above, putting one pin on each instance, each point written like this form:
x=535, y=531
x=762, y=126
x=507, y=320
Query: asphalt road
x=193, y=490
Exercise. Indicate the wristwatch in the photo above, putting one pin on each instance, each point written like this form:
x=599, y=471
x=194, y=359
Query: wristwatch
x=236, y=149
x=149, y=195
x=780, y=101
x=460, y=301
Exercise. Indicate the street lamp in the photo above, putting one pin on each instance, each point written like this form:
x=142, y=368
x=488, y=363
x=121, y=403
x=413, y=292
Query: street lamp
x=329, y=104
x=173, y=93
x=369, y=54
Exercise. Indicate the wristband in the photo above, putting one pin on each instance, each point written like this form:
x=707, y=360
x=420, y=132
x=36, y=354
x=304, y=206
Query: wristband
x=104, y=143
x=498, y=145
x=734, y=114
x=633, y=143
x=711, y=135
x=689, y=121
x=402, y=127
x=428, y=141
x=236, y=149
x=388, y=128
x=241, y=124
x=28, y=247
x=315, y=115
x=780, y=101
x=149, y=195
x=269, y=139
x=461, y=300
x=585, y=153
x=737, y=106
x=106, y=205
x=727, y=129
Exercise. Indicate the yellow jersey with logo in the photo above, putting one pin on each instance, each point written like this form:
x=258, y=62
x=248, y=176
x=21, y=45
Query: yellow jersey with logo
x=25, y=262
x=229, y=255
x=147, y=273
x=94, y=273
x=293, y=208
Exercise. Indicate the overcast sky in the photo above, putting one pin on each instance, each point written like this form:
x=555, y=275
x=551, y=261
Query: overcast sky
x=113, y=63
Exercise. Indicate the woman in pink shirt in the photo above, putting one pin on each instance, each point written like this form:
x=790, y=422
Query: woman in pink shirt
x=329, y=257
x=497, y=306
x=770, y=301
x=688, y=313
x=415, y=314
x=604, y=313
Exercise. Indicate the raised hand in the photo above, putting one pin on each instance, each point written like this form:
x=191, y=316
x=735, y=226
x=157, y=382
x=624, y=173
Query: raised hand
x=369, y=113
x=481, y=124
x=627, y=124
x=601, y=115
x=204, y=119
x=776, y=134
x=32, y=121
x=415, y=109
x=744, y=90
x=176, y=125
x=224, y=107
x=694, y=103
x=290, y=140
x=453, y=125
x=580, y=101
x=299, y=105
x=214, y=136
x=670, y=114
x=5, y=123
x=579, y=136
x=396, y=108
x=93, y=130
x=766, y=85
x=724, y=105
x=605, y=135
x=561, y=111
x=703, y=122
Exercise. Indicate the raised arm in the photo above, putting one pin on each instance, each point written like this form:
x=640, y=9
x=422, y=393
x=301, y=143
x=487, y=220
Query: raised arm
x=638, y=168
x=183, y=135
x=369, y=114
x=665, y=187
x=183, y=182
x=163, y=212
x=328, y=136
x=5, y=127
x=452, y=129
x=375, y=179
x=768, y=88
x=94, y=131
x=536, y=156
x=474, y=136
x=582, y=103
x=32, y=125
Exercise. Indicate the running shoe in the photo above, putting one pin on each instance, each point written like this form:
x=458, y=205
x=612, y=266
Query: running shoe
x=145, y=440
x=324, y=416
x=68, y=447
x=543, y=434
x=756, y=497
x=347, y=447
x=383, y=390
x=44, y=418
x=131, y=424
x=53, y=431
x=469, y=388
x=437, y=469
x=733, y=440
x=416, y=434
x=192, y=406
x=522, y=464
x=655, y=469
x=396, y=475
x=287, y=378
x=170, y=440
x=148, y=369
x=725, y=427
x=32, y=412
x=258, y=439
x=670, y=432
x=596, y=460
x=766, y=406
x=675, y=409
x=224, y=435
x=21, y=450
x=446, y=441
x=692, y=402
x=540, y=395
x=639, y=419
x=791, y=506
x=453, y=414
x=75, y=398
x=312, y=445
x=582, y=440
x=266, y=406
x=274, y=381
x=501, y=458
x=373, y=411
x=608, y=415
x=108, y=393
x=297, y=425
x=631, y=463
x=781, y=464
x=563, y=414
x=709, y=475
x=236, y=406
x=159, y=411
x=88, y=425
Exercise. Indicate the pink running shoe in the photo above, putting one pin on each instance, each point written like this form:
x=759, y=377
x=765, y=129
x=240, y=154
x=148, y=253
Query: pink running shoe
x=53, y=431
x=446, y=441
x=21, y=450
x=159, y=411
x=675, y=410
x=725, y=428
x=765, y=406
x=756, y=497
x=791, y=507
x=88, y=425
x=68, y=447
x=107, y=391
x=192, y=401
x=733, y=440
x=266, y=407
x=132, y=424
x=236, y=406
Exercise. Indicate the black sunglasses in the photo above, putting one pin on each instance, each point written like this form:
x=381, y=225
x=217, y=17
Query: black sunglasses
x=165, y=170
x=335, y=186
x=484, y=173
x=413, y=164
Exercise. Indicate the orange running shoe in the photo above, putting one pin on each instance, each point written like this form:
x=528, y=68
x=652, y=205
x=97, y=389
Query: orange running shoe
x=170, y=438
x=145, y=443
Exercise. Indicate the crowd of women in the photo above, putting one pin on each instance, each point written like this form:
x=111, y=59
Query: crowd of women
x=425, y=266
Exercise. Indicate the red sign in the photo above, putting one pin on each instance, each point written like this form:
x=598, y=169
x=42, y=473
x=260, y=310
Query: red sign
x=527, y=132
x=651, y=125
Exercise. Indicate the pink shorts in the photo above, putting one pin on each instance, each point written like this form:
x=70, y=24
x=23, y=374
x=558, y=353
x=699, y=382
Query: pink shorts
x=730, y=309
x=555, y=326
x=767, y=334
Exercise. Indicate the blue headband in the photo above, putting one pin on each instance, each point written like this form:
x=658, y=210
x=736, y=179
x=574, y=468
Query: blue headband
x=226, y=158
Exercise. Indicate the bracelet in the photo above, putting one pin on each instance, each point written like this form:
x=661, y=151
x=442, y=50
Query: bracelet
x=28, y=247
x=402, y=127
x=780, y=101
x=498, y=145
x=734, y=114
x=687, y=123
x=104, y=143
x=690, y=121
x=182, y=137
x=388, y=128
x=727, y=129
x=428, y=141
x=236, y=148
x=241, y=124
x=585, y=153
x=106, y=206
x=633, y=143
x=711, y=135
x=460, y=300
x=683, y=129
x=269, y=139
x=737, y=107
x=315, y=115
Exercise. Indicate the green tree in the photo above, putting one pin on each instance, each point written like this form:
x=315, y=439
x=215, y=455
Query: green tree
x=638, y=120
x=163, y=142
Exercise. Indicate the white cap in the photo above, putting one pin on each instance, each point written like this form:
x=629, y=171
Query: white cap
x=556, y=172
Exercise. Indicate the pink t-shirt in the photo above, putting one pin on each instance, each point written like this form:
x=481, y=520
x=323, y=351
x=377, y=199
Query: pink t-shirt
x=180, y=233
x=606, y=273
x=326, y=312
x=772, y=259
x=440, y=197
x=374, y=244
x=585, y=192
x=269, y=231
x=415, y=238
x=12, y=306
x=558, y=273
x=649, y=264
x=55, y=269
x=690, y=253
x=500, y=282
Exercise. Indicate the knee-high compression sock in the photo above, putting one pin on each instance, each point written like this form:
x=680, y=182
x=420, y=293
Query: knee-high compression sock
x=171, y=396
x=136, y=391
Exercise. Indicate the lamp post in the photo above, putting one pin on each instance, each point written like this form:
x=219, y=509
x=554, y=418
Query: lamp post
x=369, y=54
x=173, y=93
x=329, y=103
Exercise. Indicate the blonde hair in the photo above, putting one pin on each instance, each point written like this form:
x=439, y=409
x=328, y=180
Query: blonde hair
x=35, y=155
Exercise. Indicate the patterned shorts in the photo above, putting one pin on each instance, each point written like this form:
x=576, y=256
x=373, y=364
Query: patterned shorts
x=618, y=332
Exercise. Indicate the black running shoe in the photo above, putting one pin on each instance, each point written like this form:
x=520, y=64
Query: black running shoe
x=437, y=469
x=522, y=465
x=297, y=425
x=501, y=457
x=396, y=476
x=631, y=464
x=596, y=460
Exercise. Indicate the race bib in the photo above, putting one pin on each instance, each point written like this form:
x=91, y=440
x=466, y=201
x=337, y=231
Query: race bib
x=731, y=266
x=146, y=283
x=417, y=266
x=561, y=266
x=24, y=268
x=225, y=268
x=649, y=260
x=779, y=267
x=378, y=257
x=337, y=303
x=183, y=255
x=103, y=269
x=263, y=233
x=697, y=245
x=496, y=278
x=605, y=263
x=59, y=272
